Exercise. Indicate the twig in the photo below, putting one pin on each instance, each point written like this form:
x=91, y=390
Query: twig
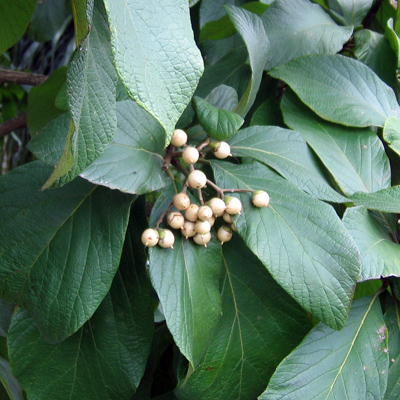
x=203, y=144
x=21, y=78
x=163, y=215
x=18, y=122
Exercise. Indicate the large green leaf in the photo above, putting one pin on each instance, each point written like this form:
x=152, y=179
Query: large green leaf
x=299, y=27
x=155, y=55
x=14, y=19
x=380, y=256
x=340, y=89
x=106, y=358
x=60, y=248
x=391, y=133
x=7, y=379
x=186, y=280
x=287, y=152
x=218, y=123
x=251, y=29
x=386, y=200
x=355, y=157
x=299, y=239
x=132, y=161
x=91, y=86
x=347, y=365
x=260, y=325
x=350, y=12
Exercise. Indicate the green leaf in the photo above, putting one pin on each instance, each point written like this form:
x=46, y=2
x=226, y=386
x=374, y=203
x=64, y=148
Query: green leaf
x=339, y=89
x=394, y=40
x=251, y=29
x=67, y=266
x=373, y=49
x=299, y=27
x=80, y=19
x=380, y=256
x=224, y=97
x=391, y=133
x=287, y=152
x=350, y=12
x=241, y=357
x=218, y=123
x=106, y=358
x=346, y=365
x=355, y=157
x=132, y=161
x=188, y=289
x=223, y=27
x=14, y=19
x=7, y=379
x=41, y=101
x=91, y=85
x=6, y=311
x=155, y=55
x=299, y=239
x=386, y=200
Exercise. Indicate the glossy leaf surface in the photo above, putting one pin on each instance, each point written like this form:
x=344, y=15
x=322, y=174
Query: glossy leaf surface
x=349, y=364
x=72, y=241
x=299, y=239
x=11, y=385
x=391, y=133
x=386, y=200
x=155, y=55
x=340, y=89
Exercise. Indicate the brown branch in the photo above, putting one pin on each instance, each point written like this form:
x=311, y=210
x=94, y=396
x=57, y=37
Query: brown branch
x=21, y=78
x=18, y=122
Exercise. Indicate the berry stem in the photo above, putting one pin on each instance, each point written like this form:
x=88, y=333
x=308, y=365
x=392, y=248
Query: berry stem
x=237, y=190
x=168, y=157
x=216, y=188
x=163, y=215
x=203, y=144
x=200, y=196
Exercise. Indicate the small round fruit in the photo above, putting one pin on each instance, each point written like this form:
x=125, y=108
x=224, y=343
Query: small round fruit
x=211, y=220
x=204, y=213
x=233, y=205
x=167, y=238
x=190, y=155
x=181, y=201
x=260, y=198
x=191, y=212
x=202, y=239
x=175, y=220
x=224, y=234
x=202, y=227
x=221, y=149
x=150, y=237
x=227, y=218
x=217, y=206
x=197, y=179
x=179, y=138
x=188, y=229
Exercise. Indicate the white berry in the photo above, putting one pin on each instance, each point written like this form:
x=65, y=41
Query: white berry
x=167, y=238
x=260, y=198
x=188, y=229
x=175, y=220
x=202, y=239
x=202, y=227
x=233, y=205
x=221, y=149
x=204, y=213
x=190, y=155
x=191, y=212
x=217, y=206
x=150, y=237
x=197, y=179
x=224, y=234
x=181, y=201
x=179, y=138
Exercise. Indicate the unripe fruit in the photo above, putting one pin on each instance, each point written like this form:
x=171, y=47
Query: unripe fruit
x=221, y=149
x=150, y=237
x=204, y=213
x=179, y=138
x=217, y=206
x=227, y=218
x=233, y=205
x=175, y=220
x=167, y=238
x=202, y=239
x=188, y=229
x=224, y=234
x=191, y=212
x=260, y=198
x=190, y=155
x=197, y=179
x=202, y=227
x=181, y=201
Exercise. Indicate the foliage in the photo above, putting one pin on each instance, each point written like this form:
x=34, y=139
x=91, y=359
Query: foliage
x=303, y=302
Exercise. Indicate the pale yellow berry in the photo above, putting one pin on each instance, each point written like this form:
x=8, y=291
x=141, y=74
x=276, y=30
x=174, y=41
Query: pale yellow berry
x=190, y=155
x=217, y=206
x=175, y=220
x=224, y=234
x=227, y=218
x=167, y=238
x=260, y=198
x=179, y=138
x=233, y=205
x=191, y=212
x=188, y=229
x=202, y=239
x=202, y=227
x=150, y=237
x=197, y=179
x=204, y=213
x=221, y=149
x=181, y=201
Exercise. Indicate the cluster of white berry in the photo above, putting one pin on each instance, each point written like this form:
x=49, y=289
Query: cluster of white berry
x=197, y=220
